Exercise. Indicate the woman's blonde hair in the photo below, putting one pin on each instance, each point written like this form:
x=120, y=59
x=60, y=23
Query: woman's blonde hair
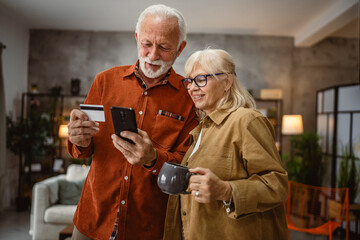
x=219, y=61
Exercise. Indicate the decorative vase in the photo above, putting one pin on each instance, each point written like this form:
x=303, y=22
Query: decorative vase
x=34, y=88
x=75, y=86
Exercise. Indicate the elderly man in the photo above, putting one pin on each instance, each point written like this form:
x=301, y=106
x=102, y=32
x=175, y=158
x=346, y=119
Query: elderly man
x=120, y=198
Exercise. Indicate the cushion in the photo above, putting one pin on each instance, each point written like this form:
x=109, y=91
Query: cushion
x=76, y=172
x=62, y=214
x=70, y=191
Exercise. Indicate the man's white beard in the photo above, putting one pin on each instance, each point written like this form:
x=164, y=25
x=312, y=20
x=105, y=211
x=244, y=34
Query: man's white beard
x=164, y=66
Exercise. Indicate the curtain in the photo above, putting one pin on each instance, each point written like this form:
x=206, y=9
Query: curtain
x=2, y=132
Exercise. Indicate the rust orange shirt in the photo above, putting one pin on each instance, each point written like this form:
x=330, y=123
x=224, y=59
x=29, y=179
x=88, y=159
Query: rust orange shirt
x=112, y=182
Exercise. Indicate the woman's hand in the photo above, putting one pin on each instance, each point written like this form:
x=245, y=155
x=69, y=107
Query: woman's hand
x=207, y=187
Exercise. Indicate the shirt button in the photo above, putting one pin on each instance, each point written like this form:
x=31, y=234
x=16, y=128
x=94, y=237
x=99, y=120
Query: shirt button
x=126, y=177
x=140, y=112
x=207, y=125
x=122, y=202
x=184, y=213
x=154, y=171
x=145, y=93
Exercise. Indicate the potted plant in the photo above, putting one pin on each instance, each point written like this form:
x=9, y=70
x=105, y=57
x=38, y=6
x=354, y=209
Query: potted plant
x=306, y=166
x=26, y=138
x=271, y=115
x=349, y=175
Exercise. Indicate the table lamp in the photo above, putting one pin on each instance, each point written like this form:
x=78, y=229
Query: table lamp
x=63, y=131
x=292, y=125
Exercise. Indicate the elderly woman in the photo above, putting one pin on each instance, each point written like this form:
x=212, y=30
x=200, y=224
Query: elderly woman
x=240, y=186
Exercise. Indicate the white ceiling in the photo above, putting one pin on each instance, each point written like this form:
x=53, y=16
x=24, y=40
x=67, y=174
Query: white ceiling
x=308, y=21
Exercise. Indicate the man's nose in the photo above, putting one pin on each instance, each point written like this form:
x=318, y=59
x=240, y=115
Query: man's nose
x=154, y=54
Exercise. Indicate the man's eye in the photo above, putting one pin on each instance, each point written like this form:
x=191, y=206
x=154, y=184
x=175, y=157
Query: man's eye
x=164, y=48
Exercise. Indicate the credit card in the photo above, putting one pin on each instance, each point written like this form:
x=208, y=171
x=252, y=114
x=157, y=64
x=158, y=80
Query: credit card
x=94, y=112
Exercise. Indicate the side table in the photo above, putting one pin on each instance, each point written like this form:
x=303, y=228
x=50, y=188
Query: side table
x=66, y=232
x=355, y=209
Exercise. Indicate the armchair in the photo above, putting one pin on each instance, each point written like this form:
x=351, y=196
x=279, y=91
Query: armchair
x=54, y=202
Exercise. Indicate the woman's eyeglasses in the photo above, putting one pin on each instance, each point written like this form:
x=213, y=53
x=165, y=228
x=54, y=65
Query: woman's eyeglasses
x=200, y=80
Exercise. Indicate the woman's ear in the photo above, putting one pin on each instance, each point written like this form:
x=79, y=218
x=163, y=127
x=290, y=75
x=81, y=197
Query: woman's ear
x=228, y=82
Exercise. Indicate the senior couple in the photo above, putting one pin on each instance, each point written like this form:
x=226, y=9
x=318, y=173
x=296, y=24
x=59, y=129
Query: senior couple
x=206, y=121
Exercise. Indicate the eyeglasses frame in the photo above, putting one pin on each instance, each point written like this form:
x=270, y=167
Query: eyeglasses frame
x=193, y=79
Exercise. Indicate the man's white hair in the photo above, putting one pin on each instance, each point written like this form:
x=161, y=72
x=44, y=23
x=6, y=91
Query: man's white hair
x=167, y=12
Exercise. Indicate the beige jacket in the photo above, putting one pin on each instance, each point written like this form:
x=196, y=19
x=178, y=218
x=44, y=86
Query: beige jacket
x=238, y=147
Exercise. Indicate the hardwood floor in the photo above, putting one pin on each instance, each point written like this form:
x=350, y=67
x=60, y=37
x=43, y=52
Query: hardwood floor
x=15, y=226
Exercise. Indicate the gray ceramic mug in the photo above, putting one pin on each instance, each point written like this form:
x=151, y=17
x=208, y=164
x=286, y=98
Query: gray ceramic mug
x=174, y=178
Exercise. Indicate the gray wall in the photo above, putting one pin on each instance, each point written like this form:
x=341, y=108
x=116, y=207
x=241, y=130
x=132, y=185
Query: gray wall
x=15, y=36
x=262, y=62
x=332, y=62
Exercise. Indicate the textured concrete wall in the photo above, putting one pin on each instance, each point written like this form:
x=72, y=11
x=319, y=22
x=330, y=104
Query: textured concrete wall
x=262, y=62
x=332, y=62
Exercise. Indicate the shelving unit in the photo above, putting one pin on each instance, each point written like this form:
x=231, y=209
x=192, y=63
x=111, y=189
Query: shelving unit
x=35, y=166
x=273, y=109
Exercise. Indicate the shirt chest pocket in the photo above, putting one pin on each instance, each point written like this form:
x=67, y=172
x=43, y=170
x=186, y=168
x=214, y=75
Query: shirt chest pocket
x=166, y=131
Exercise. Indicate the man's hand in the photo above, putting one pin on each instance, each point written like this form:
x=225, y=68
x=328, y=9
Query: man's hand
x=142, y=153
x=81, y=130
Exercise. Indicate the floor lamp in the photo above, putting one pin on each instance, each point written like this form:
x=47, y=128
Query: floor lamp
x=292, y=125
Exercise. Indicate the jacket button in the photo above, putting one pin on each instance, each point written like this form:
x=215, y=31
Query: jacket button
x=184, y=213
x=122, y=202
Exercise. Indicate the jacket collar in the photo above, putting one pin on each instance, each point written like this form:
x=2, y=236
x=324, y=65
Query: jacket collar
x=218, y=116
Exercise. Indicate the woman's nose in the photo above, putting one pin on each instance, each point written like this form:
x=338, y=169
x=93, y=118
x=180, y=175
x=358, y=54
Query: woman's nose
x=193, y=85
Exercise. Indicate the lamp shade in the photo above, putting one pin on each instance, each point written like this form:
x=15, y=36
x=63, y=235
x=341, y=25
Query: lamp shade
x=63, y=131
x=292, y=125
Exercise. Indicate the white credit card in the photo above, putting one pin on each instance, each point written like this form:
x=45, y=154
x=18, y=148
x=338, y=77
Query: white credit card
x=94, y=112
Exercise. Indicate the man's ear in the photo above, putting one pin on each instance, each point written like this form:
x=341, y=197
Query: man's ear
x=181, y=48
x=136, y=36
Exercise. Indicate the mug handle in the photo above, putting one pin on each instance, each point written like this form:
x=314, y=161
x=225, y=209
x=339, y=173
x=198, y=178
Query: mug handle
x=188, y=175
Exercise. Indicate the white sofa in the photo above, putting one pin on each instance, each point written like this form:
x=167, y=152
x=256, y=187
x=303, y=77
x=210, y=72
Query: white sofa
x=53, y=204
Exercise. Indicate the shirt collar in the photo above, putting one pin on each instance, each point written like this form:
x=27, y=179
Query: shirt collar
x=172, y=78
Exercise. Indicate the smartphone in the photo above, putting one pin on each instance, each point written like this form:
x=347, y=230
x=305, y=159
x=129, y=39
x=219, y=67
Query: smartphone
x=124, y=119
